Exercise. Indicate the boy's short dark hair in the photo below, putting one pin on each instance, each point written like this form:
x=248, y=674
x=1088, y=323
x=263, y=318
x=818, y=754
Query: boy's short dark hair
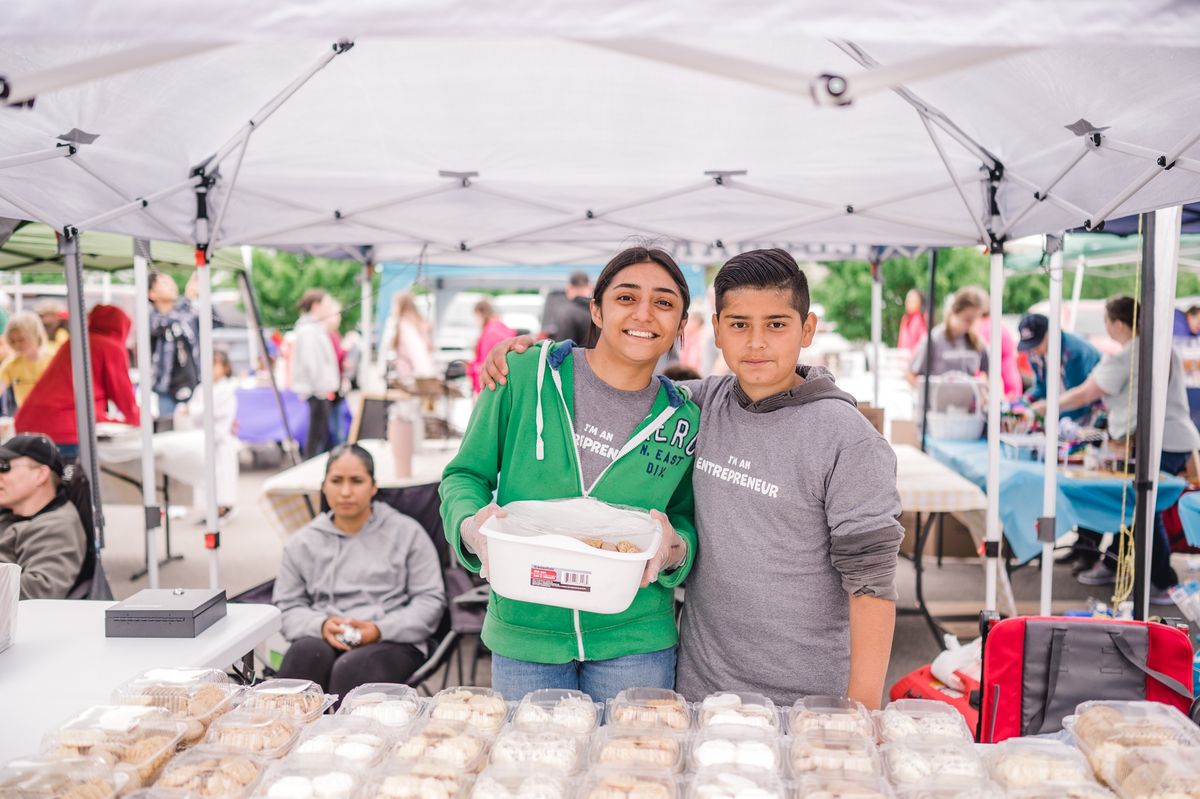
x=579, y=280
x=763, y=269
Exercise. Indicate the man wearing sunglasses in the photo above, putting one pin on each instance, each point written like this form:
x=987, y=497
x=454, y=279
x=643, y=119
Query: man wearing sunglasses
x=40, y=529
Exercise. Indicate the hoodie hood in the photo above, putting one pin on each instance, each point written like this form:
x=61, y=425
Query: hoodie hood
x=818, y=385
x=109, y=320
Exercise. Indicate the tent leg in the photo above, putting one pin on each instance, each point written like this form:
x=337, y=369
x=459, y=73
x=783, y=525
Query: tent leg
x=141, y=280
x=876, y=327
x=252, y=304
x=212, y=535
x=928, y=345
x=366, y=362
x=81, y=370
x=1076, y=292
x=995, y=394
x=1047, y=530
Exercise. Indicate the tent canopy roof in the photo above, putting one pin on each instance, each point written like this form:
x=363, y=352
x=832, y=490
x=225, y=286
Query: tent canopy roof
x=34, y=248
x=480, y=133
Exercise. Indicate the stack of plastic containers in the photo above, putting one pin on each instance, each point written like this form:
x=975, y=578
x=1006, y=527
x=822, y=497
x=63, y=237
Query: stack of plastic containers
x=192, y=696
x=1123, y=741
x=135, y=740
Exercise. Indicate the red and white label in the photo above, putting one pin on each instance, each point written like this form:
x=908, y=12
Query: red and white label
x=562, y=579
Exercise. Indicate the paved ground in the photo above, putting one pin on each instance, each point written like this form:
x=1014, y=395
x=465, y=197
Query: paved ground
x=250, y=551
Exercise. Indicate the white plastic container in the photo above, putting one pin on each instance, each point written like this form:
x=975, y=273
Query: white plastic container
x=922, y=717
x=390, y=704
x=537, y=553
x=54, y=777
x=214, y=772
x=556, y=708
x=10, y=592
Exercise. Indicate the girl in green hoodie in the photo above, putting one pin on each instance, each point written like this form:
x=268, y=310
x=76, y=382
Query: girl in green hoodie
x=572, y=422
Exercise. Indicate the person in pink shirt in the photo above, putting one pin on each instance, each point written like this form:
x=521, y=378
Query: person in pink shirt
x=494, y=331
x=1010, y=373
x=914, y=325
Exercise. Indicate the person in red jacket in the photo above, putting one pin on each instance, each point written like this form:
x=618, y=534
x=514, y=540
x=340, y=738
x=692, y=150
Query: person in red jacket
x=50, y=407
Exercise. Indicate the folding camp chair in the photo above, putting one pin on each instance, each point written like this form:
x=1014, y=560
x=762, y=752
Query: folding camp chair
x=92, y=582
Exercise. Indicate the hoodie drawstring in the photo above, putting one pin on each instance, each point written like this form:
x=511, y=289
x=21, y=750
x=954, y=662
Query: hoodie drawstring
x=541, y=379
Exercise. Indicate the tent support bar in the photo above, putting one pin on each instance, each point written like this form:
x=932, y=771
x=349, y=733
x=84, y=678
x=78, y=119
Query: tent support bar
x=1043, y=194
x=287, y=202
x=228, y=196
x=136, y=205
x=28, y=209
x=503, y=195
x=141, y=262
x=177, y=235
x=1165, y=162
x=1066, y=205
x=61, y=151
x=958, y=235
x=937, y=145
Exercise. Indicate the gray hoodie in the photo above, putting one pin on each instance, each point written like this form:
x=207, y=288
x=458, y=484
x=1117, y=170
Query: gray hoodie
x=796, y=508
x=387, y=573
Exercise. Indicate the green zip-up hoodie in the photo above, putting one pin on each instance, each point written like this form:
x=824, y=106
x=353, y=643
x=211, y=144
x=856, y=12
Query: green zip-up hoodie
x=520, y=444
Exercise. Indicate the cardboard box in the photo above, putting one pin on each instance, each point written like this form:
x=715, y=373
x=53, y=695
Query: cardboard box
x=874, y=415
x=956, y=542
x=165, y=613
x=905, y=432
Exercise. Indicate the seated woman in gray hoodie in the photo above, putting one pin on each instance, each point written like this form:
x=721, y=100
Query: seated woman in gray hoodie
x=360, y=587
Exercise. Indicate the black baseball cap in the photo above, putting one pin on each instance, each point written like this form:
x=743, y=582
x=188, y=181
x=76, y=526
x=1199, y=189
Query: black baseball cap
x=36, y=447
x=1033, y=329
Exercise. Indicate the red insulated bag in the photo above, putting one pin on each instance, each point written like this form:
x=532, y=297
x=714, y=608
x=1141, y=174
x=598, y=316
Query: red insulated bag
x=1036, y=669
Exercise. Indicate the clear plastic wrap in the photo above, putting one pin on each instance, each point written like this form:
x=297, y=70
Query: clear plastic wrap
x=299, y=781
x=741, y=709
x=453, y=743
x=618, y=747
x=1158, y=773
x=510, y=783
x=390, y=704
x=833, y=752
x=157, y=792
x=742, y=747
x=650, y=708
x=821, y=786
x=482, y=709
x=360, y=743
x=923, y=717
x=422, y=780
x=570, y=711
x=1092, y=790
x=136, y=739
x=1105, y=731
x=601, y=525
x=736, y=783
x=1030, y=762
x=60, y=778
x=918, y=760
x=560, y=752
x=816, y=713
x=255, y=732
x=628, y=783
x=193, y=696
x=213, y=772
x=303, y=700
x=952, y=789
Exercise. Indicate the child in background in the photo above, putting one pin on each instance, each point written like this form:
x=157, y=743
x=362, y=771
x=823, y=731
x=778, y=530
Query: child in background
x=225, y=432
x=26, y=338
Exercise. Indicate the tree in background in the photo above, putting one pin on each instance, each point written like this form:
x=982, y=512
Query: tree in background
x=280, y=278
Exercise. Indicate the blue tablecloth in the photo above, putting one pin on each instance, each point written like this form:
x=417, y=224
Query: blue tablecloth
x=259, y=422
x=1094, y=503
x=1189, y=515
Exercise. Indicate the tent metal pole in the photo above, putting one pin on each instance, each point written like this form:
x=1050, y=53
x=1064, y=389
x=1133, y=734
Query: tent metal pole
x=964, y=238
x=174, y=233
x=252, y=304
x=962, y=195
x=29, y=211
x=876, y=327
x=366, y=363
x=1043, y=194
x=933, y=259
x=516, y=198
x=1052, y=198
x=61, y=151
x=1076, y=292
x=1047, y=525
x=1143, y=476
x=136, y=204
x=995, y=394
x=251, y=329
x=1165, y=162
x=141, y=313
x=203, y=234
x=228, y=197
x=81, y=371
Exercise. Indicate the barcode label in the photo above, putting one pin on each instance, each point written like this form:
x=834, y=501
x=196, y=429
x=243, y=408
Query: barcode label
x=562, y=579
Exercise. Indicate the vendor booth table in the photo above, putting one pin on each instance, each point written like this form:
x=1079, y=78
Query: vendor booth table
x=291, y=498
x=60, y=662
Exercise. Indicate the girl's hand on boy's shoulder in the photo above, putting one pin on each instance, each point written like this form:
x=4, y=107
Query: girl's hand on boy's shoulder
x=495, y=367
x=672, y=550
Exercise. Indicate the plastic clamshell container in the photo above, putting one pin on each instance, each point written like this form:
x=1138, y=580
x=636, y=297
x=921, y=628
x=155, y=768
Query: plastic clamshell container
x=298, y=699
x=346, y=741
x=824, y=786
x=735, y=783
x=952, y=789
x=924, y=717
x=160, y=793
x=738, y=709
x=1158, y=772
x=482, y=709
x=1092, y=790
x=453, y=743
x=625, y=748
x=390, y=704
x=1030, y=762
x=59, y=778
x=919, y=760
x=833, y=752
x=536, y=555
x=254, y=732
x=422, y=780
x=557, y=708
x=300, y=781
x=561, y=753
x=628, y=783
x=134, y=739
x=510, y=783
x=1105, y=731
x=650, y=708
x=193, y=696
x=816, y=713
x=213, y=771
x=736, y=746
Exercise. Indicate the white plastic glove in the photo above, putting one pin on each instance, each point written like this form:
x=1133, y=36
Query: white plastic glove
x=474, y=540
x=672, y=550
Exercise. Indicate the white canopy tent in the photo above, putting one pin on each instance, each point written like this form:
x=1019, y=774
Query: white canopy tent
x=528, y=133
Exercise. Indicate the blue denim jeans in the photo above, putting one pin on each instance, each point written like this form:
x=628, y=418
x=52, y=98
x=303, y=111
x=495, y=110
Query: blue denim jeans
x=600, y=679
